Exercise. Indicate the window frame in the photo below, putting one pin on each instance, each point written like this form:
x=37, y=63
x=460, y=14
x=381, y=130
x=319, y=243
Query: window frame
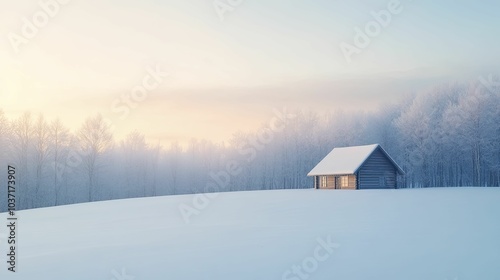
x=344, y=181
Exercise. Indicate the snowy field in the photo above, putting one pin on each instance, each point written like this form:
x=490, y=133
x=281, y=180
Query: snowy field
x=420, y=234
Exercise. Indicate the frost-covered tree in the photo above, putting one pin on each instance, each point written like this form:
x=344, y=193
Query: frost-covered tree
x=135, y=152
x=446, y=136
x=20, y=139
x=59, y=140
x=94, y=138
x=41, y=153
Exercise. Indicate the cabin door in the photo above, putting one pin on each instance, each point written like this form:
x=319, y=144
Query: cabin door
x=336, y=182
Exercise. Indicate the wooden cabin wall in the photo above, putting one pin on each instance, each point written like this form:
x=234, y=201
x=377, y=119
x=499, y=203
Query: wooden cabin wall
x=377, y=172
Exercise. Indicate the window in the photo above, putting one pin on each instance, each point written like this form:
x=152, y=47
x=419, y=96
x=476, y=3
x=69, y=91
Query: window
x=344, y=181
x=323, y=181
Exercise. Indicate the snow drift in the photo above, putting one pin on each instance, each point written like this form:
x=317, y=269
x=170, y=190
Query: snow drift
x=446, y=233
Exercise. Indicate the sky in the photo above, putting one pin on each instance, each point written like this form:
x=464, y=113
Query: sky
x=230, y=63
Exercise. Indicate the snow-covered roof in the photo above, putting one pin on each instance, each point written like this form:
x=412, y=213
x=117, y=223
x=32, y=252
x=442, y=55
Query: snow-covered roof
x=346, y=160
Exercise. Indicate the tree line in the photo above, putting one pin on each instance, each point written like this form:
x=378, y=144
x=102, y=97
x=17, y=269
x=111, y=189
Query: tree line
x=444, y=137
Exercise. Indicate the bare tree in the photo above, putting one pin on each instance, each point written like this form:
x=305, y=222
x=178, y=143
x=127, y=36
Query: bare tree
x=95, y=138
x=154, y=160
x=60, y=138
x=41, y=153
x=22, y=130
x=174, y=155
x=4, y=132
x=135, y=149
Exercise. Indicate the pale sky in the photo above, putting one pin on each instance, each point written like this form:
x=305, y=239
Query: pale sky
x=227, y=75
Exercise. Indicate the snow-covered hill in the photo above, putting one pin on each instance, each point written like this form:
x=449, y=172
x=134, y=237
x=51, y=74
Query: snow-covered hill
x=447, y=233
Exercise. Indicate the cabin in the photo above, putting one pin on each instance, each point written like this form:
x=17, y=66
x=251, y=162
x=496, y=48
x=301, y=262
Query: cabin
x=356, y=168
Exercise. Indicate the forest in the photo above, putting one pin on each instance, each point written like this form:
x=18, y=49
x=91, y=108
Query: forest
x=446, y=136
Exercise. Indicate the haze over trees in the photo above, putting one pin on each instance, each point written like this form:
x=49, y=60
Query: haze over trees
x=444, y=137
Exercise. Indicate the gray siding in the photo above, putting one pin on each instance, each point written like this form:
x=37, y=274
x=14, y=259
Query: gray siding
x=377, y=172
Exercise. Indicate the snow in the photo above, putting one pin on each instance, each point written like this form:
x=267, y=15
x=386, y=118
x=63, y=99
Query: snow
x=411, y=234
x=344, y=160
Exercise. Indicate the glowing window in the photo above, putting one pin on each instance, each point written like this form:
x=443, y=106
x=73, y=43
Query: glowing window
x=344, y=181
x=323, y=181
